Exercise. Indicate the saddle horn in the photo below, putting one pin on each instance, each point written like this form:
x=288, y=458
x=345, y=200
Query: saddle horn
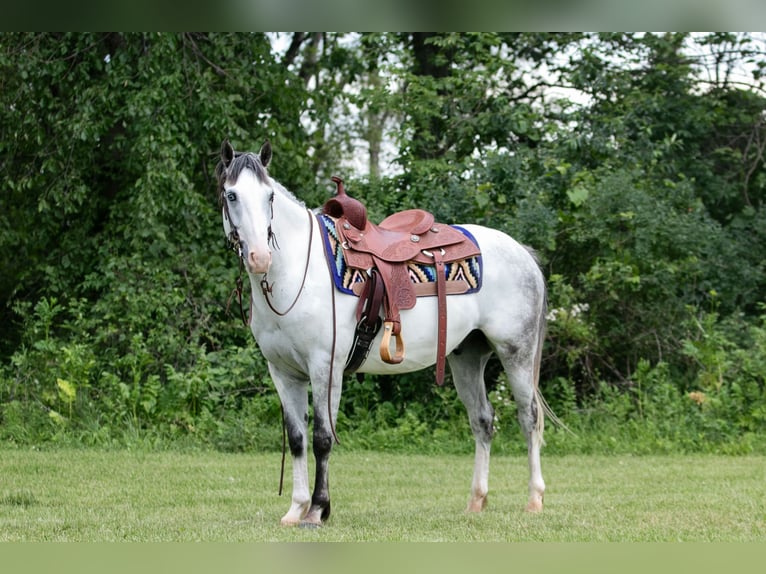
x=343, y=205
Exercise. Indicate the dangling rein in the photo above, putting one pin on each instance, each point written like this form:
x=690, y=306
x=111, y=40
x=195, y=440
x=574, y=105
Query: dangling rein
x=266, y=288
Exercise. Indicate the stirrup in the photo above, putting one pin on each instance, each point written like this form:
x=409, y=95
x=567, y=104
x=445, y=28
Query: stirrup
x=385, y=345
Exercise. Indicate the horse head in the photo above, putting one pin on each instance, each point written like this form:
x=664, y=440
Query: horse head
x=247, y=195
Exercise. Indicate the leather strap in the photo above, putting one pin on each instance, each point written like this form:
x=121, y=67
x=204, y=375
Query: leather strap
x=441, y=296
x=368, y=321
x=399, y=295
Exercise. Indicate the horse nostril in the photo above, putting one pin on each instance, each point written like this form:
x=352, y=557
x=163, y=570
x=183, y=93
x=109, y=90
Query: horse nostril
x=259, y=262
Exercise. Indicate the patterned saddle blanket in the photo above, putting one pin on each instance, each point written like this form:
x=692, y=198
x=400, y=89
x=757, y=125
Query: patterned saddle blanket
x=463, y=276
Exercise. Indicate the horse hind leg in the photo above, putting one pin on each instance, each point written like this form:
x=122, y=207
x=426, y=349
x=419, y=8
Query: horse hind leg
x=522, y=371
x=467, y=363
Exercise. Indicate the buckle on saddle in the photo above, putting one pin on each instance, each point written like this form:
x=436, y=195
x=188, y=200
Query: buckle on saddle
x=365, y=326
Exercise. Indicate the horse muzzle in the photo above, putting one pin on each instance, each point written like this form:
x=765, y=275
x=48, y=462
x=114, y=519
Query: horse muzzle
x=257, y=261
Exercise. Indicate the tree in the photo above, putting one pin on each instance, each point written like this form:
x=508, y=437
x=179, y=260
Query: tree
x=643, y=194
x=109, y=220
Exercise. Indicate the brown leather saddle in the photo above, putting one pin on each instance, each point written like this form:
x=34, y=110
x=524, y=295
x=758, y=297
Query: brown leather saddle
x=384, y=251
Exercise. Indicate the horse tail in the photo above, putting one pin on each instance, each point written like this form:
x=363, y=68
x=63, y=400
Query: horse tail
x=543, y=408
x=542, y=405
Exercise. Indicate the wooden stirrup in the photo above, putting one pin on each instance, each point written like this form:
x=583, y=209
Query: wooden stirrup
x=385, y=344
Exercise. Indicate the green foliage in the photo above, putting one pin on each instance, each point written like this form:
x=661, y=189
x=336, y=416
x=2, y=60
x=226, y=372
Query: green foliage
x=403, y=413
x=730, y=382
x=720, y=408
x=56, y=390
x=644, y=201
x=110, y=229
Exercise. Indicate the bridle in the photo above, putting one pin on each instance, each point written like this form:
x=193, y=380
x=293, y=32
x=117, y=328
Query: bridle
x=235, y=243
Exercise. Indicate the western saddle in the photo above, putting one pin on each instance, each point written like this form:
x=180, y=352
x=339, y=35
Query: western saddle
x=384, y=252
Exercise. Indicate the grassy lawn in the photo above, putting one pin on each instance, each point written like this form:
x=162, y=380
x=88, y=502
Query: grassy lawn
x=93, y=495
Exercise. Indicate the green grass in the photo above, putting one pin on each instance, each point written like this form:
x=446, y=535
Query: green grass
x=93, y=495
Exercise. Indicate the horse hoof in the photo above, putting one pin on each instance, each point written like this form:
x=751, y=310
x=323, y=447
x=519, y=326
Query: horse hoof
x=477, y=504
x=534, y=506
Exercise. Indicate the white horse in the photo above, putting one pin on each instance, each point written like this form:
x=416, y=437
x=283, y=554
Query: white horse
x=292, y=306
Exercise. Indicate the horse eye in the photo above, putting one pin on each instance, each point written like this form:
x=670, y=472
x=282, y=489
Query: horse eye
x=231, y=196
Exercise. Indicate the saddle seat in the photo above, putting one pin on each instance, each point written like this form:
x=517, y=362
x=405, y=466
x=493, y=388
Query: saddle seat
x=387, y=248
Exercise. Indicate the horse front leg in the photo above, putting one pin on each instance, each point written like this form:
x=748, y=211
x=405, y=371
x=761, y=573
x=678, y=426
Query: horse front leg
x=325, y=410
x=319, y=511
x=294, y=397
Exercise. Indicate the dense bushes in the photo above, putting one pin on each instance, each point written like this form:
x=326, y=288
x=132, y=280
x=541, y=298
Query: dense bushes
x=56, y=390
x=59, y=388
x=645, y=205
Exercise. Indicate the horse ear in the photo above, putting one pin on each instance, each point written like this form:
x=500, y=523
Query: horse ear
x=265, y=153
x=227, y=153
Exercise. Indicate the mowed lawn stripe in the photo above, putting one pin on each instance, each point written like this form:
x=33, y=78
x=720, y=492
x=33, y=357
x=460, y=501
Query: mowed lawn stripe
x=95, y=495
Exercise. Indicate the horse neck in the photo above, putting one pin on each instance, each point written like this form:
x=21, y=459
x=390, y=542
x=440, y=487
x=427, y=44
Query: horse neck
x=291, y=228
